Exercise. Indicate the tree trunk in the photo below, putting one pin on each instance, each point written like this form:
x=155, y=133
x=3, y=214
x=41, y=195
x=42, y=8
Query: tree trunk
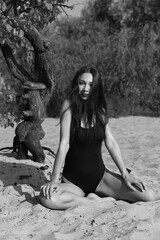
x=38, y=88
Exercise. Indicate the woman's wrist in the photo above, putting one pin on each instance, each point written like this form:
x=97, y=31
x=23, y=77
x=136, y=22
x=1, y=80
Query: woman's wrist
x=124, y=173
x=55, y=179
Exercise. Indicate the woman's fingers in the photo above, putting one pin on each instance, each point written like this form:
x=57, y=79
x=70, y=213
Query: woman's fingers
x=144, y=186
x=43, y=190
x=52, y=190
x=130, y=185
x=140, y=185
x=136, y=183
x=46, y=190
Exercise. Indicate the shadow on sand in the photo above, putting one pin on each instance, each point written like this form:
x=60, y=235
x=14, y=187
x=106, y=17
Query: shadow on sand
x=25, y=176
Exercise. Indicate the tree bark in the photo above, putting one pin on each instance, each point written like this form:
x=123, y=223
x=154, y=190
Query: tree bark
x=38, y=88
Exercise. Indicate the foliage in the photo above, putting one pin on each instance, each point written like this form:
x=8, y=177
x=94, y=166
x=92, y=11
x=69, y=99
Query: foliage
x=127, y=57
x=135, y=13
x=15, y=13
x=16, y=17
x=128, y=13
x=55, y=103
x=119, y=38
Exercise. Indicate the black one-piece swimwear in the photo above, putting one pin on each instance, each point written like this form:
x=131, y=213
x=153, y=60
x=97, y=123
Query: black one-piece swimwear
x=83, y=164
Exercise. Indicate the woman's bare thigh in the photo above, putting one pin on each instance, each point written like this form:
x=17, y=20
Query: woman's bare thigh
x=68, y=186
x=112, y=185
x=65, y=196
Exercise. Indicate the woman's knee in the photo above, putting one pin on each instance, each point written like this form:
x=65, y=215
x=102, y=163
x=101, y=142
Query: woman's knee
x=60, y=200
x=150, y=195
x=54, y=202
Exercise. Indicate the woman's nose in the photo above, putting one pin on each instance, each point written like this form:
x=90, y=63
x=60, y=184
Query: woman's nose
x=86, y=88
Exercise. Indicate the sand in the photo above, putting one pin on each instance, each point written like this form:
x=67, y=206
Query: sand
x=23, y=218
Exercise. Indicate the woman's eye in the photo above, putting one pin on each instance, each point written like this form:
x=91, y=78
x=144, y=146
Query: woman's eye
x=81, y=83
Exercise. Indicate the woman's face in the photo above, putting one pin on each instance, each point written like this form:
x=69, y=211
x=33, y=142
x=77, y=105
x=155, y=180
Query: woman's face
x=84, y=85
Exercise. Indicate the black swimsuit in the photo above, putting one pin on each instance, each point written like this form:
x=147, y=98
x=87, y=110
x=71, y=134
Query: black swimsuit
x=84, y=165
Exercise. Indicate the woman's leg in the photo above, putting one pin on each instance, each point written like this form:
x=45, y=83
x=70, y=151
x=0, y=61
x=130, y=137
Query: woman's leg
x=67, y=195
x=112, y=185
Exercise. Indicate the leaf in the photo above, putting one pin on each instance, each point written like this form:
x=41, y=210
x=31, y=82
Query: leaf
x=14, y=32
x=21, y=34
x=49, y=6
x=3, y=6
x=9, y=28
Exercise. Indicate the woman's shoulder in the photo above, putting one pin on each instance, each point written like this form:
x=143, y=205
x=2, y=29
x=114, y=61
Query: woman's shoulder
x=66, y=106
x=104, y=118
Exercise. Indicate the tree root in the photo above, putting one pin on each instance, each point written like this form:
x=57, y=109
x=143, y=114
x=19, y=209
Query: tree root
x=12, y=148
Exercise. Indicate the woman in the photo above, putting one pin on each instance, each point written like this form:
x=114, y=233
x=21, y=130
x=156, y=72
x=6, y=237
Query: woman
x=83, y=128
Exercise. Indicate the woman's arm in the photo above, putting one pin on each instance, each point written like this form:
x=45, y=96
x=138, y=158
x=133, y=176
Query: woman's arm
x=48, y=188
x=63, y=142
x=115, y=153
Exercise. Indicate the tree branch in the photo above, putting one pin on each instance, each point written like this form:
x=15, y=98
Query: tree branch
x=63, y=5
x=43, y=60
x=16, y=69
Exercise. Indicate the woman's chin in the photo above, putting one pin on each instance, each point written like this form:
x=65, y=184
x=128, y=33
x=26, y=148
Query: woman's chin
x=84, y=97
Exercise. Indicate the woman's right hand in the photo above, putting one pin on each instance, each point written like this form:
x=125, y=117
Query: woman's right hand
x=49, y=188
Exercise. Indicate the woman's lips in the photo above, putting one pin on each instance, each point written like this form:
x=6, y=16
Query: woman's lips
x=84, y=95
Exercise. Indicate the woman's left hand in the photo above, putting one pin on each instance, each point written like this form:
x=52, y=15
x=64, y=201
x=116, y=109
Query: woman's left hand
x=133, y=183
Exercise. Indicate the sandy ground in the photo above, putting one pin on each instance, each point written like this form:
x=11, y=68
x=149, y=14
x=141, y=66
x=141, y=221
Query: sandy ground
x=23, y=218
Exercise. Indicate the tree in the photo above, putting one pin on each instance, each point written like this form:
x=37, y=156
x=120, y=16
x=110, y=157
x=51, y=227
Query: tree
x=123, y=13
x=128, y=57
x=27, y=54
x=134, y=13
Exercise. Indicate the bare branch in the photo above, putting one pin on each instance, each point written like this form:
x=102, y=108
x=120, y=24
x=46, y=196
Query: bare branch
x=64, y=11
x=63, y=5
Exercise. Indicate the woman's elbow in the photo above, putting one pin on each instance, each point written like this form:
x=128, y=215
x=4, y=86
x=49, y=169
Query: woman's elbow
x=64, y=146
x=67, y=147
x=110, y=143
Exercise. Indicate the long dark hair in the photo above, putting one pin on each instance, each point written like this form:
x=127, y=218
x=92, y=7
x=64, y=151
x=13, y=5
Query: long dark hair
x=94, y=108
